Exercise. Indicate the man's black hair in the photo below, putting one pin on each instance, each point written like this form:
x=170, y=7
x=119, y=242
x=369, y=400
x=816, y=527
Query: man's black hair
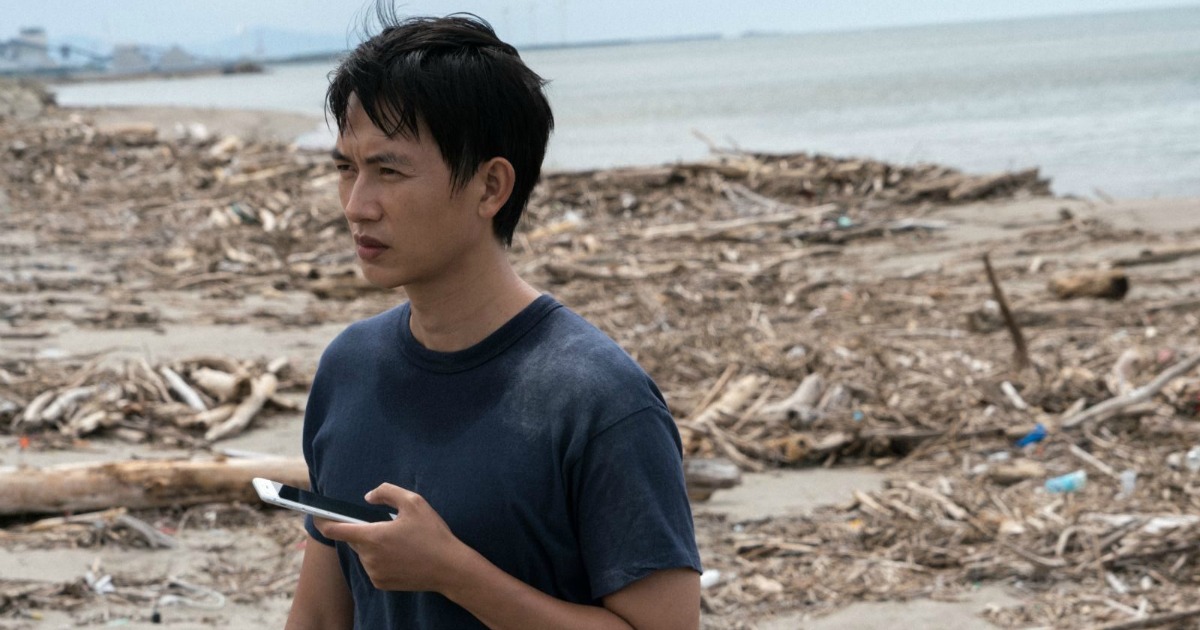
x=474, y=93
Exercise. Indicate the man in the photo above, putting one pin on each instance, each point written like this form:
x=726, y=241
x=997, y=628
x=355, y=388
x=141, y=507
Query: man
x=534, y=469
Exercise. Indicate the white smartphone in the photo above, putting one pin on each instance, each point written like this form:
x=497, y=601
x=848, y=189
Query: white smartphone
x=294, y=498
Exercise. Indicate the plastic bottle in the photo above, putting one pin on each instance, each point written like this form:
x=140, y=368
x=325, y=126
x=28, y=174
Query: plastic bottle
x=1192, y=459
x=1070, y=482
x=1128, y=482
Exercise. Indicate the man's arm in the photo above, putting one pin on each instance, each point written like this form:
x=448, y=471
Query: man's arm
x=435, y=560
x=664, y=600
x=322, y=598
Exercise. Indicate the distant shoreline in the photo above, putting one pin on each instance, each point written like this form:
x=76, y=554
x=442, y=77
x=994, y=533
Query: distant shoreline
x=61, y=76
x=207, y=70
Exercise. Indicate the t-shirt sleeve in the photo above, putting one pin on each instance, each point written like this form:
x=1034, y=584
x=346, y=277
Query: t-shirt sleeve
x=313, y=412
x=633, y=514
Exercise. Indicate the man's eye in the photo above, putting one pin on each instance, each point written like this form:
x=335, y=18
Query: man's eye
x=388, y=171
x=342, y=167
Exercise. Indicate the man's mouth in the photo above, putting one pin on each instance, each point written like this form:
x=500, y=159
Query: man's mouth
x=368, y=248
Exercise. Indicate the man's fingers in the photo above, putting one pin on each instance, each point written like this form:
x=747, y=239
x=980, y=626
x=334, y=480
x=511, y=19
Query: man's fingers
x=391, y=495
x=335, y=530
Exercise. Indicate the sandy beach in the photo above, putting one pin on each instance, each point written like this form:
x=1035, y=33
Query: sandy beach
x=742, y=276
x=251, y=125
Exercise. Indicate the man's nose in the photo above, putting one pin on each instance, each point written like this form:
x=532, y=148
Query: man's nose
x=360, y=203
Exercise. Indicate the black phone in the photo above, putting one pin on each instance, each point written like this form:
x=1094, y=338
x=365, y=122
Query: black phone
x=294, y=498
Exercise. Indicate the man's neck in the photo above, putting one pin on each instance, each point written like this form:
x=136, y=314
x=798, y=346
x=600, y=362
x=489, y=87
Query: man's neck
x=456, y=317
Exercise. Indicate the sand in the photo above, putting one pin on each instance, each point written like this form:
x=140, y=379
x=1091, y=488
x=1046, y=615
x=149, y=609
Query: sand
x=248, y=124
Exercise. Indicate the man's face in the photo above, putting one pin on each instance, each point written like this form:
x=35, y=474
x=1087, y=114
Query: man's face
x=409, y=225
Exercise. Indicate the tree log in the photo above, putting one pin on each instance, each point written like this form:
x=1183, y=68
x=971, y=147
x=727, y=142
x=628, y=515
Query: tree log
x=1109, y=284
x=140, y=484
x=705, y=476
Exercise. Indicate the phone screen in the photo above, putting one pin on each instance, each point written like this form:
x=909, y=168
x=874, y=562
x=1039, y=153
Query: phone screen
x=360, y=512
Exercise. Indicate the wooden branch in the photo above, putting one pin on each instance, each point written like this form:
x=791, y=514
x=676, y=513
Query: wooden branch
x=1160, y=256
x=715, y=390
x=223, y=386
x=138, y=484
x=800, y=406
x=1141, y=394
x=1020, y=352
x=1094, y=462
x=261, y=390
x=708, y=230
x=1153, y=621
x=185, y=391
x=733, y=400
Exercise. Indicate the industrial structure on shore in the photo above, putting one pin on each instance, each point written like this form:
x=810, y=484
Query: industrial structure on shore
x=30, y=54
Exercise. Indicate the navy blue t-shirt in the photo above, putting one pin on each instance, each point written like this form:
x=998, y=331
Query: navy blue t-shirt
x=544, y=447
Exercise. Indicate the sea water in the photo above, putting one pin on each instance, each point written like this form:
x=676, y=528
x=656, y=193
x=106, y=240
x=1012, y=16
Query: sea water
x=1105, y=104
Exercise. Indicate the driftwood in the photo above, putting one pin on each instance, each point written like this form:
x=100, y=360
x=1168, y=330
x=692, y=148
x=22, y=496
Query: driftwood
x=1020, y=350
x=707, y=475
x=1154, y=621
x=182, y=389
x=140, y=483
x=1008, y=473
x=1141, y=394
x=712, y=230
x=1151, y=257
x=1108, y=284
x=737, y=396
x=261, y=390
x=799, y=408
x=222, y=385
x=215, y=394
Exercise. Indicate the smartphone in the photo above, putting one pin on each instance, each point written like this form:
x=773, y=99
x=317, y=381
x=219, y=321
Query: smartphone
x=294, y=498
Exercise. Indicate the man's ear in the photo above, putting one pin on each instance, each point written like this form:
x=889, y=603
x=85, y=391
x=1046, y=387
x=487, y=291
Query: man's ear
x=498, y=177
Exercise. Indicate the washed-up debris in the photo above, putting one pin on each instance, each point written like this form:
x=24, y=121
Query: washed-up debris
x=22, y=101
x=136, y=401
x=752, y=289
x=1109, y=284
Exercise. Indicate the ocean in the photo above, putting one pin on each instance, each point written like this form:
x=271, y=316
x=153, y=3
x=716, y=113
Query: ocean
x=1105, y=105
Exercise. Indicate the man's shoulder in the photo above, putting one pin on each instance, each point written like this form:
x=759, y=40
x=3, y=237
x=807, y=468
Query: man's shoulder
x=577, y=342
x=578, y=357
x=364, y=334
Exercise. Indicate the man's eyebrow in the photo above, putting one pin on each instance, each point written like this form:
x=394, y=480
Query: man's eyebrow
x=386, y=157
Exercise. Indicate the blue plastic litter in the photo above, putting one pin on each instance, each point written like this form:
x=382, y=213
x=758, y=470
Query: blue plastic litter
x=1033, y=437
x=1070, y=482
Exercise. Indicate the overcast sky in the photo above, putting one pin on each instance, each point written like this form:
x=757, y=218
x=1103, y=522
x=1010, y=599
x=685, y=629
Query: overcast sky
x=200, y=22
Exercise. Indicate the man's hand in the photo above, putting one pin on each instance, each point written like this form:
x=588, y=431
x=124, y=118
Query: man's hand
x=418, y=552
x=414, y=552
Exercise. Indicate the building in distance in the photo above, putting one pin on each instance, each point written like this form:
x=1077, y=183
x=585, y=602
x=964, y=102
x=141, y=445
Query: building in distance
x=28, y=52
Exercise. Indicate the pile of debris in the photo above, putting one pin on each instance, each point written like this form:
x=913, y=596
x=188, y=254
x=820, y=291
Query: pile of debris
x=215, y=210
x=135, y=401
x=749, y=288
x=22, y=101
